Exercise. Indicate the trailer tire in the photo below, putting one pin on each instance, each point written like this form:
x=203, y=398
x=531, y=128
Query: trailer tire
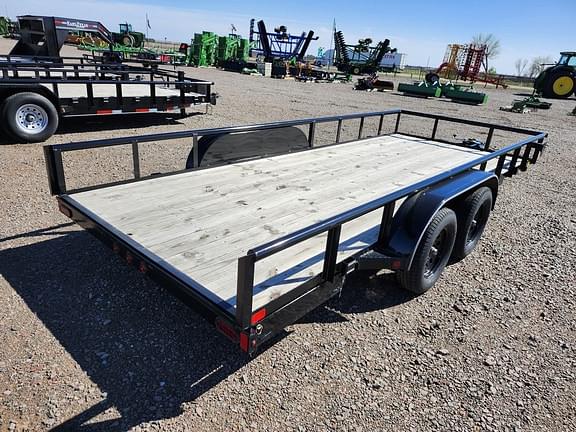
x=473, y=215
x=432, y=253
x=29, y=117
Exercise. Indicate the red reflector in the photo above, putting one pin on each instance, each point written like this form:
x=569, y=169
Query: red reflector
x=258, y=316
x=129, y=258
x=65, y=210
x=244, y=342
x=142, y=268
x=105, y=111
x=227, y=330
x=142, y=109
x=396, y=264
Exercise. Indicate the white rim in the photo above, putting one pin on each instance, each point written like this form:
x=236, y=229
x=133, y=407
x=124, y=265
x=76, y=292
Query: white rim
x=31, y=118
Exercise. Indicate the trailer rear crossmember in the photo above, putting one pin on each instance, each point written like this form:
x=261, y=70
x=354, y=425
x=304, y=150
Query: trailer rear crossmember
x=219, y=236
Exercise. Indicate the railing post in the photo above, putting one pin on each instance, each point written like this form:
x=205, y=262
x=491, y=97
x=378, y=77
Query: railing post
x=397, y=127
x=339, y=130
x=487, y=145
x=361, y=128
x=136, y=159
x=500, y=164
x=331, y=254
x=512, y=168
x=489, y=139
x=195, y=150
x=311, y=133
x=380, y=124
x=182, y=94
x=244, y=292
x=434, y=129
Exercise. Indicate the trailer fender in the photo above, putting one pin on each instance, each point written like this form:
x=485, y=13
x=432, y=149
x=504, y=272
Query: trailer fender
x=5, y=93
x=417, y=211
x=227, y=148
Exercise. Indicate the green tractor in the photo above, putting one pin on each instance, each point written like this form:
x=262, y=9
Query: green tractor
x=558, y=81
x=127, y=37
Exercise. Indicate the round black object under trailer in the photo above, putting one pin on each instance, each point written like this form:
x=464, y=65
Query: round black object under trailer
x=29, y=117
x=473, y=215
x=432, y=253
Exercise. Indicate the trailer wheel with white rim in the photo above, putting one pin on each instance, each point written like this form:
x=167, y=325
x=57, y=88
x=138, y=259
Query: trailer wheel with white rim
x=29, y=117
x=432, y=253
x=473, y=215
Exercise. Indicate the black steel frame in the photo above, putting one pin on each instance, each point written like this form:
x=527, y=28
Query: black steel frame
x=74, y=71
x=251, y=328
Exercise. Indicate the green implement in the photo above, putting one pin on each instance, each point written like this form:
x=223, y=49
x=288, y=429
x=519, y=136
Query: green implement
x=421, y=90
x=463, y=94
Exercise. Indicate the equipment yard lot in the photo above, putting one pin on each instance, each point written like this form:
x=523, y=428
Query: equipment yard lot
x=92, y=345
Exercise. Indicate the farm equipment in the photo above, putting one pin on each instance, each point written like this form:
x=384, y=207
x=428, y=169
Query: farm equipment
x=209, y=49
x=463, y=62
x=558, y=81
x=431, y=87
x=127, y=37
x=279, y=45
x=361, y=58
x=7, y=27
x=372, y=83
x=526, y=105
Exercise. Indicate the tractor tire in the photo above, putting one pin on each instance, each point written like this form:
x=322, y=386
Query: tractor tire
x=432, y=253
x=559, y=85
x=473, y=214
x=432, y=77
x=128, y=40
x=29, y=117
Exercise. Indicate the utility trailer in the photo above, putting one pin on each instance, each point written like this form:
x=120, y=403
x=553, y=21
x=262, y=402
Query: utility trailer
x=36, y=92
x=262, y=226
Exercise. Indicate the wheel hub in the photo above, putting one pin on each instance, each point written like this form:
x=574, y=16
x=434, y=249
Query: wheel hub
x=31, y=118
x=434, y=255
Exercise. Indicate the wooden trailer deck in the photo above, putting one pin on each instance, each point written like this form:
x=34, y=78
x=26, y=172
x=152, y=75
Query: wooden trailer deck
x=198, y=223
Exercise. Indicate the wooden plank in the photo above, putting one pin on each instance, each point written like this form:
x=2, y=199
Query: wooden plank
x=201, y=222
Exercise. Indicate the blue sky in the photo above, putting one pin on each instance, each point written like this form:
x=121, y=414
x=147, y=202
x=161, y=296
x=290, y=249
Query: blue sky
x=526, y=29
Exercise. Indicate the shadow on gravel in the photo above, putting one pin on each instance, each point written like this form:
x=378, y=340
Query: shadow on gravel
x=363, y=292
x=72, y=125
x=146, y=351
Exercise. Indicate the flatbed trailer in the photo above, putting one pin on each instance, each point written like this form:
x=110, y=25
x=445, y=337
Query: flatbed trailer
x=36, y=92
x=255, y=241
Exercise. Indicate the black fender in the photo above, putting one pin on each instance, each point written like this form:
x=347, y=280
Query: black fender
x=417, y=211
x=231, y=147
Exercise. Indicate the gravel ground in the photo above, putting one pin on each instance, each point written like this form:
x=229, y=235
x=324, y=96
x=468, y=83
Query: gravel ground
x=90, y=345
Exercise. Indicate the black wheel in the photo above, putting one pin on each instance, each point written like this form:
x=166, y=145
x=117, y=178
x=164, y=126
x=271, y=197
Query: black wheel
x=432, y=77
x=356, y=71
x=473, y=216
x=29, y=117
x=432, y=254
x=559, y=85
